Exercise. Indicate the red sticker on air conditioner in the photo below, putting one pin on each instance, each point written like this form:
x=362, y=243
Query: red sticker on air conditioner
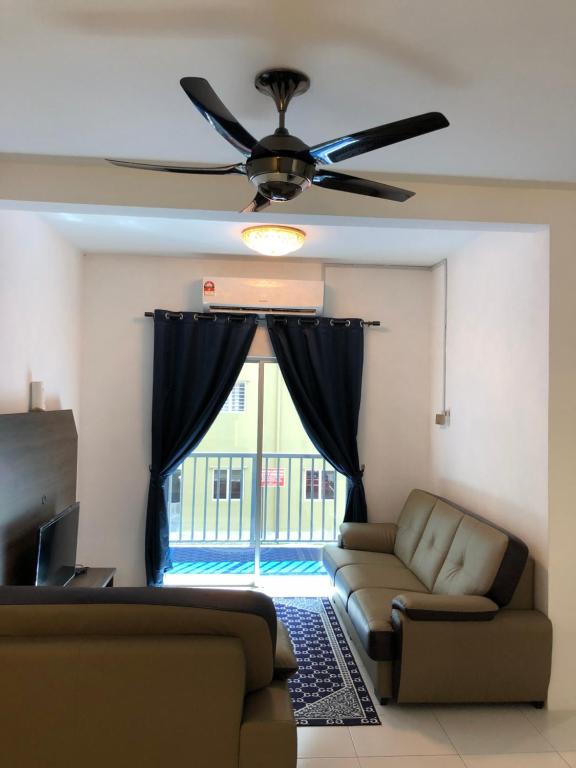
x=209, y=287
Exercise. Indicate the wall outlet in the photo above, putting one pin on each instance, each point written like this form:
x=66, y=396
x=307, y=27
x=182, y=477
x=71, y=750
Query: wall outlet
x=443, y=419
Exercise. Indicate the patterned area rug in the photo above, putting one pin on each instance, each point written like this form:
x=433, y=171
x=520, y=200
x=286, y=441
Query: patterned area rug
x=328, y=689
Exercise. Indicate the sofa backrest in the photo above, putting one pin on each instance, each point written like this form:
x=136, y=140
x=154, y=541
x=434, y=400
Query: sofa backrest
x=412, y=522
x=57, y=612
x=455, y=552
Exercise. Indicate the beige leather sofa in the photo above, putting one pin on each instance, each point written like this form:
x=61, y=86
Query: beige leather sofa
x=114, y=678
x=440, y=606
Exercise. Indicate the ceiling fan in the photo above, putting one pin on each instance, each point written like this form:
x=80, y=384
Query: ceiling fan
x=281, y=166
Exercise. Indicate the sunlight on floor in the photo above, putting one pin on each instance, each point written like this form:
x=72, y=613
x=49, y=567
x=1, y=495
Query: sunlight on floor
x=275, y=586
x=295, y=586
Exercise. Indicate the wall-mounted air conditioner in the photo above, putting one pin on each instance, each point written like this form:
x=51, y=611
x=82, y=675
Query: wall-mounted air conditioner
x=255, y=295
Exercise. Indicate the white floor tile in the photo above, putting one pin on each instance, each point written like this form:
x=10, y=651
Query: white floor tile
x=541, y=760
x=327, y=741
x=570, y=758
x=404, y=761
x=404, y=731
x=490, y=730
x=558, y=726
x=328, y=762
x=295, y=586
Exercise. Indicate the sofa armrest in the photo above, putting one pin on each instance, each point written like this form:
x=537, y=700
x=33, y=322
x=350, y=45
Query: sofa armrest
x=369, y=537
x=285, y=663
x=268, y=731
x=428, y=607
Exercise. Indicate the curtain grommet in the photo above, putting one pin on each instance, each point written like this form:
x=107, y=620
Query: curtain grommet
x=315, y=322
x=336, y=323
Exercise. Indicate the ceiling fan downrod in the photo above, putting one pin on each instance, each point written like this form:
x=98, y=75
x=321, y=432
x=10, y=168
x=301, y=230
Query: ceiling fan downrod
x=282, y=85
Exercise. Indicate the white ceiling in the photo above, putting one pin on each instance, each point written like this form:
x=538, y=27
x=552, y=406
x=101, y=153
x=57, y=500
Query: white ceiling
x=100, y=78
x=365, y=241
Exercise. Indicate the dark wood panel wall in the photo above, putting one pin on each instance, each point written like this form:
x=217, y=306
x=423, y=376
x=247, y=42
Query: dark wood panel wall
x=38, y=457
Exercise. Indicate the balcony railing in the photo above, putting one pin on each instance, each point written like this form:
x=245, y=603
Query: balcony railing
x=212, y=499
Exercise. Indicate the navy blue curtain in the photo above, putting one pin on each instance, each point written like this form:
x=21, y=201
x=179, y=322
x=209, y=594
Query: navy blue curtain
x=197, y=359
x=321, y=361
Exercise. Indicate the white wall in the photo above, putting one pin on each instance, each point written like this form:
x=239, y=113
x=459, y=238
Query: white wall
x=40, y=294
x=493, y=457
x=117, y=384
x=393, y=434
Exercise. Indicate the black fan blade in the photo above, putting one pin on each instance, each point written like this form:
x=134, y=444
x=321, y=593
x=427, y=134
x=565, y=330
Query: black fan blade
x=345, y=183
x=258, y=204
x=366, y=141
x=218, y=170
x=207, y=102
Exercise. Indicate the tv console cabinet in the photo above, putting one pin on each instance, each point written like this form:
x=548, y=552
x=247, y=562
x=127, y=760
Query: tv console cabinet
x=94, y=577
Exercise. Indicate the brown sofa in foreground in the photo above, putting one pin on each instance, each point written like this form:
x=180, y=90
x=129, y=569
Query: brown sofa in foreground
x=144, y=677
x=440, y=606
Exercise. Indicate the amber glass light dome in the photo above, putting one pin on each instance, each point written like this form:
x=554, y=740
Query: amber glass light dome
x=273, y=240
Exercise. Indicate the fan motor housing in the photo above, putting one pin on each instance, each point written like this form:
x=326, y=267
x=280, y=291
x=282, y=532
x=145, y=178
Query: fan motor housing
x=280, y=178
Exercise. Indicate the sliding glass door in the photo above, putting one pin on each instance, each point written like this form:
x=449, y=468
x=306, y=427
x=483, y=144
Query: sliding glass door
x=212, y=495
x=255, y=498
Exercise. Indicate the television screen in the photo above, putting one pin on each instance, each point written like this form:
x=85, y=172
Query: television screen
x=56, y=552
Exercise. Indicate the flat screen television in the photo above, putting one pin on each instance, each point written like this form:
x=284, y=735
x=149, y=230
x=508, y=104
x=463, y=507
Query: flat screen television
x=56, y=549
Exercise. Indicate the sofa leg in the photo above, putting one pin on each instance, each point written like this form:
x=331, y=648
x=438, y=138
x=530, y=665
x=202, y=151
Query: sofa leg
x=538, y=704
x=381, y=699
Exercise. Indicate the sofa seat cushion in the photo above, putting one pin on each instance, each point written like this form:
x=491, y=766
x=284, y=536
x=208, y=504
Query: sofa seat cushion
x=335, y=557
x=393, y=576
x=369, y=611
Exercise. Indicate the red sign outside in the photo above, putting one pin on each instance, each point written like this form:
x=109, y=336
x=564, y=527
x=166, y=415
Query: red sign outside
x=272, y=478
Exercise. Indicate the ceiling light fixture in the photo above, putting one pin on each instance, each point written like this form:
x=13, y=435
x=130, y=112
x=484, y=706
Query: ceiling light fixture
x=273, y=240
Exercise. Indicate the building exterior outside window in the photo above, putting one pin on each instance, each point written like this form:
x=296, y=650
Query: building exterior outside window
x=214, y=494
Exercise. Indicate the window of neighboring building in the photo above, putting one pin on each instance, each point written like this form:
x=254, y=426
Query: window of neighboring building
x=227, y=484
x=236, y=402
x=320, y=484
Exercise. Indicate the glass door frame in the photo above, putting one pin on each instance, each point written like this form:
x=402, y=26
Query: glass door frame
x=252, y=579
x=258, y=511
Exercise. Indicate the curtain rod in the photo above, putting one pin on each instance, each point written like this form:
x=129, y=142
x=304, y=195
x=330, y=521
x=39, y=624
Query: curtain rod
x=175, y=315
